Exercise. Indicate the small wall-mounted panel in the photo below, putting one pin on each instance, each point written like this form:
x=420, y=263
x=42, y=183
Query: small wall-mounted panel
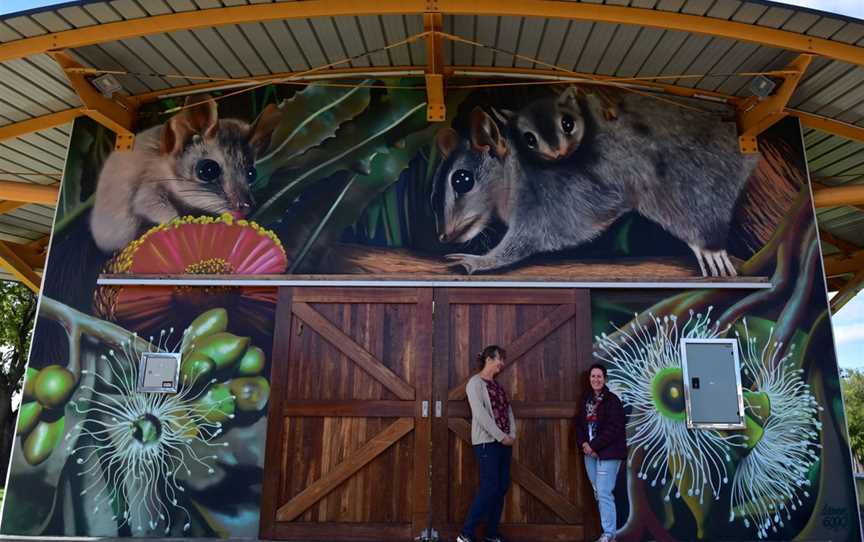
x=712, y=384
x=158, y=372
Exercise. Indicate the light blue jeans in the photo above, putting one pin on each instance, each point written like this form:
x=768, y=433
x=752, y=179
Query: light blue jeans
x=603, y=473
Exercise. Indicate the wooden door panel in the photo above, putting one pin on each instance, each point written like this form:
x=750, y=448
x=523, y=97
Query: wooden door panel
x=548, y=342
x=357, y=463
x=344, y=459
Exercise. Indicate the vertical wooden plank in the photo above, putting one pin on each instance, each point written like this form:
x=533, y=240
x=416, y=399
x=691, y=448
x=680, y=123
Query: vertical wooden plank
x=440, y=434
x=423, y=352
x=275, y=425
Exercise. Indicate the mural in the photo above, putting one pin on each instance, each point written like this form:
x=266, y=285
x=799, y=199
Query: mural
x=555, y=181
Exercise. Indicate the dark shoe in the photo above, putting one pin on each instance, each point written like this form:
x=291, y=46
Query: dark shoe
x=493, y=539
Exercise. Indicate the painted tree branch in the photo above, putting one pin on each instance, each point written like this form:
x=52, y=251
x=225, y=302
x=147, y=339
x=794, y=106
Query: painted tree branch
x=792, y=316
x=77, y=323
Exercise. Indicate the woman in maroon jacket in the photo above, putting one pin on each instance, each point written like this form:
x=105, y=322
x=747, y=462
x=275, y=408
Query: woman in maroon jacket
x=600, y=433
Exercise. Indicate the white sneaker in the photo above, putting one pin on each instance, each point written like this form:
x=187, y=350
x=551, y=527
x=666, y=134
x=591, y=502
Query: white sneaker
x=462, y=538
x=604, y=538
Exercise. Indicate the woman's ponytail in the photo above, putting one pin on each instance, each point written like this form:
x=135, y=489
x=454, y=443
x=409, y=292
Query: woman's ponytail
x=491, y=351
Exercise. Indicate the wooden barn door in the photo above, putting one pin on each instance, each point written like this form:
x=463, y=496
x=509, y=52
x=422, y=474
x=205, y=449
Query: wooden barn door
x=347, y=441
x=547, y=335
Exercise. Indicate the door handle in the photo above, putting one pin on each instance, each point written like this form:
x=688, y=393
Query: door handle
x=438, y=409
x=424, y=409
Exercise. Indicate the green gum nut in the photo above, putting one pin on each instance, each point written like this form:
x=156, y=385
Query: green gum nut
x=758, y=405
x=217, y=405
x=753, y=432
x=251, y=392
x=195, y=367
x=30, y=383
x=41, y=441
x=28, y=417
x=223, y=348
x=53, y=386
x=207, y=323
x=252, y=361
x=667, y=392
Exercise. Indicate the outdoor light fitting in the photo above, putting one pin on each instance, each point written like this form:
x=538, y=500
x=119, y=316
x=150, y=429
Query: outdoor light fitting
x=107, y=84
x=761, y=86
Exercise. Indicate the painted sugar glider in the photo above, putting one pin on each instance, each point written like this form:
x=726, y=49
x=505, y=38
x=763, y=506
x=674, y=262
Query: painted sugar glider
x=672, y=166
x=194, y=164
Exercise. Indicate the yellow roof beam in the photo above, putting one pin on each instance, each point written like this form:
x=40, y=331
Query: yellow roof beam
x=39, y=123
x=809, y=120
x=9, y=206
x=436, y=111
x=838, y=195
x=19, y=268
x=117, y=116
x=841, y=244
x=765, y=113
x=80, y=37
x=22, y=192
x=842, y=264
x=836, y=127
x=847, y=292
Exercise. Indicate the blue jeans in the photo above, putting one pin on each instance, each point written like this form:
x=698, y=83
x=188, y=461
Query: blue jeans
x=603, y=473
x=494, y=462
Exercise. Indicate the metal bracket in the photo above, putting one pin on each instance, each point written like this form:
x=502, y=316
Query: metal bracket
x=124, y=141
x=438, y=409
x=424, y=408
x=428, y=535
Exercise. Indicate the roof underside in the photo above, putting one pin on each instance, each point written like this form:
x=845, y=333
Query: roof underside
x=33, y=85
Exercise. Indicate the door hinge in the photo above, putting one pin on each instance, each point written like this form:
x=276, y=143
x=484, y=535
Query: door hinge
x=433, y=307
x=428, y=535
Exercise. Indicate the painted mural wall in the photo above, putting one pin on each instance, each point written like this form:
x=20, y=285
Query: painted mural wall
x=349, y=179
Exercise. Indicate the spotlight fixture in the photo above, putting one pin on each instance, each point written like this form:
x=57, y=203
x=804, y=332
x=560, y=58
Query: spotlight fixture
x=107, y=84
x=761, y=86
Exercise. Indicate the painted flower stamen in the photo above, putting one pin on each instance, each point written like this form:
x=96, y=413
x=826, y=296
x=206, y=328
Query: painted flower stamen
x=645, y=370
x=135, y=444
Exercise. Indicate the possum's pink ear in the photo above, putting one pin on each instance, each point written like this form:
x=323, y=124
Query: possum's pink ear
x=485, y=134
x=199, y=116
x=447, y=140
x=263, y=128
x=202, y=114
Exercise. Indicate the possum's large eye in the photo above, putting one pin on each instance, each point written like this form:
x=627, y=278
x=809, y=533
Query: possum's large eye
x=208, y=170
x=462, y=181
x=567, y=124
x=530, y=139
x=251, y=174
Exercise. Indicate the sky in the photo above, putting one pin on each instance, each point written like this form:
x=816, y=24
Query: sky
x=848, y=322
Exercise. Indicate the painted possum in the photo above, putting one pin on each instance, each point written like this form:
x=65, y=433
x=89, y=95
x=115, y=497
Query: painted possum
x=194, y=164
x=679, y=168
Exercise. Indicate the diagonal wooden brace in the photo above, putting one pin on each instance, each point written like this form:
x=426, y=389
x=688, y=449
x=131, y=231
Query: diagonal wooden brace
x=116, y=115
x=756, y=117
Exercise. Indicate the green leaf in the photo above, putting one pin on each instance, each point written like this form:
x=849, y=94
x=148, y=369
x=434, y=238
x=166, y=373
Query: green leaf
x=391, y=218
x=309, y=118
x=622, y=237
x=354, y=146
x=70, y=189
x=385, y=168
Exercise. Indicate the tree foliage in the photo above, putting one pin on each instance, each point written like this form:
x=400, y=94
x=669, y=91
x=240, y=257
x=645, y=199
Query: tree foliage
x=852, y=384
x=17, y=315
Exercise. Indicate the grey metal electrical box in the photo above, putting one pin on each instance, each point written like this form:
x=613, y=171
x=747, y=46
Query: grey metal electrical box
x=158, y=372
x=712, y=384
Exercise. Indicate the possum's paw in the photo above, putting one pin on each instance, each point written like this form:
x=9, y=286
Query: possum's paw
x=714, y=263
x=471, y=262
